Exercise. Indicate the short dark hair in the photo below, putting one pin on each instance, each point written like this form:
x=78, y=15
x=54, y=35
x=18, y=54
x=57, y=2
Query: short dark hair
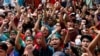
x=87, y=37
x=3, y=46
x=11, y=41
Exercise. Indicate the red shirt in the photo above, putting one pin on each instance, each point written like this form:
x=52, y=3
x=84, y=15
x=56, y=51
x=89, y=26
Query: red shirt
x=52, y=1
x=36, y=3
x=16, y=20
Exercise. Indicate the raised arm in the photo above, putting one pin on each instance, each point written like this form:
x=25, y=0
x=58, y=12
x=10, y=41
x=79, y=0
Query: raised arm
x=5, y=21
x=95, y=16
x=56, y=6
x=87, y=53
x=66, y=37
x=36, y=27
x=94, y=42
x=17, y=44
x=17, y=7
x=12, y=24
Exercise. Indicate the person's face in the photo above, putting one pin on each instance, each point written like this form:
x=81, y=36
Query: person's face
x=29, y=42
x=29, y=10
x=90, y=17
x=10, y=46
x=55, y=42
x=57, y=5
x=69, y=24
x=45, y=32
x=76, y=26
x=68, y=51
x=2, y=52
x=59, y=15
x=70, y=9
x=9, y=14
x=85, y=42
x=57, y=25
x=92, y=12
x=77, y=11
x=39, y=40
x=13, y=35
x=83, y=22
x=27, y=33
x=63, y=32
x=50, y=21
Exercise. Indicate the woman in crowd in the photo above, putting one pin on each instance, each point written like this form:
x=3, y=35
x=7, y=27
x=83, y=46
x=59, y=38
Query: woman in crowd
x=50, y=28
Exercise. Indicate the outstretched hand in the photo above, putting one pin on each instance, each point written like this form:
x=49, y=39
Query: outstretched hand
x=20, y=26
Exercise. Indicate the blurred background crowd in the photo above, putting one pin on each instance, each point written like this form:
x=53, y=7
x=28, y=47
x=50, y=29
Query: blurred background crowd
x=49, y=27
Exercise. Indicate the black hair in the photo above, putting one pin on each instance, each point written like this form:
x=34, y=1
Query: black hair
x=3, y=46
x=3, y=16
x=87, y=37
x=29, y=30
x=11, y=41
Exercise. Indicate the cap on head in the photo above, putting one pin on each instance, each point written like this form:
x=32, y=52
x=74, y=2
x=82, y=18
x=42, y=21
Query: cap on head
x=29, y=38
x=13, y=32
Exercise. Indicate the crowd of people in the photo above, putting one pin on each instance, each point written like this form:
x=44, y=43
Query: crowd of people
x=49, y=27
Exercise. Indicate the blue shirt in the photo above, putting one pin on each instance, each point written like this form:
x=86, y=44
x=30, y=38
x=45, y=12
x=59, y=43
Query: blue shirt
x=3, y=37
x=6, y=2
x=20, y=2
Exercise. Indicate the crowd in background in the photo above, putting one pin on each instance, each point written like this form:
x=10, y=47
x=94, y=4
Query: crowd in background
x=49, y=27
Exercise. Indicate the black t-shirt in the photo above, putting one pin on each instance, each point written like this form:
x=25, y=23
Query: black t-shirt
x=21, y=51
x=43, y=52
x=35, y=52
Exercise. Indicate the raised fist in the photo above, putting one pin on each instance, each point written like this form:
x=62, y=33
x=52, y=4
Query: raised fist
x=5, y=21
